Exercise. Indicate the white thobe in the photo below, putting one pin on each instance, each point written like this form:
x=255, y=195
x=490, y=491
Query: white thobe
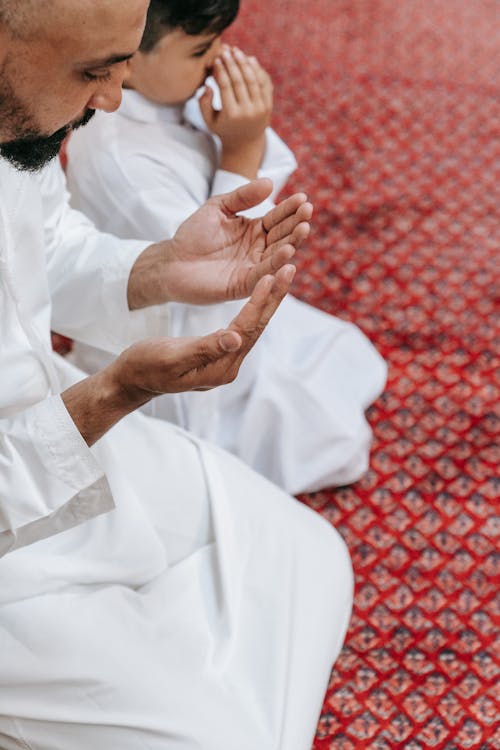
x=154, y=591
x=296, y=413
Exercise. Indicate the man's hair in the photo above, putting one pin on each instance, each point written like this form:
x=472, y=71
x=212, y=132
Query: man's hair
x=22, y=16
x=192, y=16
x=8, y=16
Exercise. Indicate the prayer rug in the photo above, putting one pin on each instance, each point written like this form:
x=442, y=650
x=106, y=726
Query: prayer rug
x=393, y=111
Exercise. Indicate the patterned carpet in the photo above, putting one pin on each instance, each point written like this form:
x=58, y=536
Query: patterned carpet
x=393, y=110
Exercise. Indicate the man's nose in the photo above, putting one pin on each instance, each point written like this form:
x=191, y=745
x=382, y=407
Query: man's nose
x=108, y=96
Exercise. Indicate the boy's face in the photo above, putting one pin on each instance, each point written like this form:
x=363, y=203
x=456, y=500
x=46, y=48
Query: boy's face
x=175, y=68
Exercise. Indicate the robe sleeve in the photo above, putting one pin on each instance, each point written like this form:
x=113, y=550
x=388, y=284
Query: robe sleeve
x=49, y=479
x=278, y=164
x=88, y=273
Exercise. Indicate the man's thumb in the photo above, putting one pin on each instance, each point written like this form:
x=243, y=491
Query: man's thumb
x=246, y=196
x=230, y=341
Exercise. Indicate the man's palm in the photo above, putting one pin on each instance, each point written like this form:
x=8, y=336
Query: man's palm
x=217, y=256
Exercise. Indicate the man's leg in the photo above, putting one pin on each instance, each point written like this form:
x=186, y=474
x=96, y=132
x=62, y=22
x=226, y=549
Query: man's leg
x=229, y=645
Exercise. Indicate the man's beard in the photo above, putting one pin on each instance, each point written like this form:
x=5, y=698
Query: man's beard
x=33, y=151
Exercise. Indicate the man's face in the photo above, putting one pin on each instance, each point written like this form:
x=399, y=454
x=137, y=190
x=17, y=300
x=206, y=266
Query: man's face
x=52, y=79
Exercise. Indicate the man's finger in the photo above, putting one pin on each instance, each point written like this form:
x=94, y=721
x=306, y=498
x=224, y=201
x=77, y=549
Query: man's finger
x=201, y=363
x=244, y=197
x=283, y=210
x=263, y=303
x=215, y=359
x=279, y=253
x=274, y=259
x=286, y=227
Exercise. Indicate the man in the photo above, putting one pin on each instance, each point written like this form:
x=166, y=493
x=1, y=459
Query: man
x=154, y=592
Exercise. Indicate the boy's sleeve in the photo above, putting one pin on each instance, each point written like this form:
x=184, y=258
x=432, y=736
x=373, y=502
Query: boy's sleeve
x=278, y=162
x=88, y=274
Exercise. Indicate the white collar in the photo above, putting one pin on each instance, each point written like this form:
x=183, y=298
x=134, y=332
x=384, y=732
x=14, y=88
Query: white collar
x=136, y=107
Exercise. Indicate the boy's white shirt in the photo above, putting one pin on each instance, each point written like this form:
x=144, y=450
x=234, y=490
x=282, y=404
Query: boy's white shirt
x=169, y=171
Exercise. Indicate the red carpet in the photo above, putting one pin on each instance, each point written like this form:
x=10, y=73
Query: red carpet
x=393, y=110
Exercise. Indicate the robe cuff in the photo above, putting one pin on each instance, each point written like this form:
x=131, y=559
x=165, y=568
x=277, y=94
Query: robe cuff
x=61, y=447
x=135, y=324
x=56, y=483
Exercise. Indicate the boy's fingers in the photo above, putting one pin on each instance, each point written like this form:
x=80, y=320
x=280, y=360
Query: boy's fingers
x=261, y=74
x=205, y=102
x=225, y=85
x=233, y=71
x=265, y=82
x=249, y=75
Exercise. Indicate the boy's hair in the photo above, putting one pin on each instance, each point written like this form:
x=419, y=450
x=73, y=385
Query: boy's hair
x=192, y=16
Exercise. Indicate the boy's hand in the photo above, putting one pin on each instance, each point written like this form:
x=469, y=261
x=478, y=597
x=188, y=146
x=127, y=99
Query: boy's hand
x=247, y=100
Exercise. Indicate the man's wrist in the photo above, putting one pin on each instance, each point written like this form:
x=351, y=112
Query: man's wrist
x=101, y=400
x=147, y=283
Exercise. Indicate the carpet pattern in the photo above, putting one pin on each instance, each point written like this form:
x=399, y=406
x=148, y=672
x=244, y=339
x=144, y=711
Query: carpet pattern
x=393, y=110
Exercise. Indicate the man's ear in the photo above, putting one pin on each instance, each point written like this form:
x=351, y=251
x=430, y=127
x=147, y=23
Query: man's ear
x=128, y=71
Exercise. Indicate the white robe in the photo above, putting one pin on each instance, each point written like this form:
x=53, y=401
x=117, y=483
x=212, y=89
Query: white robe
x=296, y=413
x=154, y=591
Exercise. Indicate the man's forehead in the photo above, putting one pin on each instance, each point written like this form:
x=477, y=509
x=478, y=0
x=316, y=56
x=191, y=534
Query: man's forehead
x=66, y=18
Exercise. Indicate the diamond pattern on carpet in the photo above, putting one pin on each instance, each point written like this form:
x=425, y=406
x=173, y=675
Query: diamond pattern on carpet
x=393, y=110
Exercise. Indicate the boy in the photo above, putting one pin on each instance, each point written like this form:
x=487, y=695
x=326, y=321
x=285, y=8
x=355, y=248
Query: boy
x=296, y=412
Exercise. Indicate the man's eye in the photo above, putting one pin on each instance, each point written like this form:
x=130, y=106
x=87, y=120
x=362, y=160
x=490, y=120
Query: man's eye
x=102, y=76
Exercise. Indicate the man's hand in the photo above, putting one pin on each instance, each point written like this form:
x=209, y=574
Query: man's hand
x=216, y=255
x=246, y=92
x=167, y=365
